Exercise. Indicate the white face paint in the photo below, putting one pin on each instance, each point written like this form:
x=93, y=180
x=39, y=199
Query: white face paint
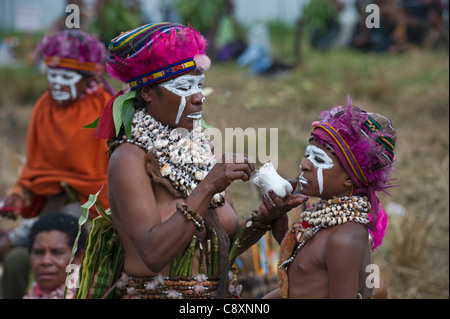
x=60, y=77
x=320, y=160
x=301, y=179
x=185, y=85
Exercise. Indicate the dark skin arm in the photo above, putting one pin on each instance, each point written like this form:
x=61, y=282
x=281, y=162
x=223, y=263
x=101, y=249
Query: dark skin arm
x=159, y=241
x=274, y=215
x=344, y=255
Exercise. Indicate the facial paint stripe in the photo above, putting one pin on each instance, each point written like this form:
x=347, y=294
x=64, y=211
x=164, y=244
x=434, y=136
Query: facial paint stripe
x=183, y=86
x=312, y=152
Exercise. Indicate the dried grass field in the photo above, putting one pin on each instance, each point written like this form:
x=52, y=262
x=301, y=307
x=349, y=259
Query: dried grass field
x=412, y=89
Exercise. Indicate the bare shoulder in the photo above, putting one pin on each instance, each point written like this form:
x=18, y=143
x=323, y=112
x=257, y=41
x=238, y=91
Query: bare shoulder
x=126, y=167
x=125, y=155
x=349, y=235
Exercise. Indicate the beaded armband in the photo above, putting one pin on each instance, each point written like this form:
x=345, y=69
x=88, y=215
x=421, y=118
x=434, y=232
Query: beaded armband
x=191, y=215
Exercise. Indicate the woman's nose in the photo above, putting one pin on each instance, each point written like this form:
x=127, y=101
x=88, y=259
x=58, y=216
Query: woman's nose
x=47, y=258
x=198, y=98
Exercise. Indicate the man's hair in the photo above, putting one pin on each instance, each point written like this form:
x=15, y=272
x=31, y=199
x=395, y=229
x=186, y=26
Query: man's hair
x=62, y=222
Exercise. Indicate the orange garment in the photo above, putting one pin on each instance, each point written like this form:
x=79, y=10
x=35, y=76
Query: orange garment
x=59, y=150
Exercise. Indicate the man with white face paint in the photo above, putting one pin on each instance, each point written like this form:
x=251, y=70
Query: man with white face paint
x=65, y=163
x=168, y=196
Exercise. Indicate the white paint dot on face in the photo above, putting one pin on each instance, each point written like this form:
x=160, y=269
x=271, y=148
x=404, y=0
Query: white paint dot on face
x=320, y=159
x=183, y=86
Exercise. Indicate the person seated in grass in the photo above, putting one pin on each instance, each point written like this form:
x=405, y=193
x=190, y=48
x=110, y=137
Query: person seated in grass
x=326, y=253
x=51, y=240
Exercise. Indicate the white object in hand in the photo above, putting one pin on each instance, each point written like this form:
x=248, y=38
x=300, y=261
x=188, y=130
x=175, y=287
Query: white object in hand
x=267, y=178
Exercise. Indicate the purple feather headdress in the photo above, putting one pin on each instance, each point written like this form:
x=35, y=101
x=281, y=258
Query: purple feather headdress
x=364, y=143
x=73, y=50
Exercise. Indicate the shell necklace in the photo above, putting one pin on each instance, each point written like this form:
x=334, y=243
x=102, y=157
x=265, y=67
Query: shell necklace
x=327, y=213
x=185, y=157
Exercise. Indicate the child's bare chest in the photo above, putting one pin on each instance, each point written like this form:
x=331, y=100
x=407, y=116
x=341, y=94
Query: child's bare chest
x=311, y=257
x=308, y=273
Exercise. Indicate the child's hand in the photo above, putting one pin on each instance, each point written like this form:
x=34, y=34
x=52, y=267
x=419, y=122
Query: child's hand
x=276, y=207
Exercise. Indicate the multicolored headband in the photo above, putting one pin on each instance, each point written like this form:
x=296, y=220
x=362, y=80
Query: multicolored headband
x=72, y=64
x=374, y=143
x=156, y=52
x=162, y=74
x=346, y=151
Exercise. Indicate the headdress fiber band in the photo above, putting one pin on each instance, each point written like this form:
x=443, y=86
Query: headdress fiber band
x=162, y=74
x=347, y=152
x=371, y=126
x=154, y=53
x=120, y=46
x=67, y=63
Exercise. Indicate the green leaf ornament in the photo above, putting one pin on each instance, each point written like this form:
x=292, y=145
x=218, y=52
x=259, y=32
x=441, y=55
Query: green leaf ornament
x=123, y=111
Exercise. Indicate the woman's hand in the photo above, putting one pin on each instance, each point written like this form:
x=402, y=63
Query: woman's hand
x=230, y=168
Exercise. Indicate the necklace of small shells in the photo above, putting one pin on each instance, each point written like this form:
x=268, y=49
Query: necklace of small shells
x=185, y=157
x=327, y=213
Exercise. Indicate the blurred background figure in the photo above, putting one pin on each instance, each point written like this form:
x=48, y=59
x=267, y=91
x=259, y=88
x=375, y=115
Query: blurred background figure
x=64, y=162
x=404, y=25
x=50, y=244
x=348, y=21
x=257, y=56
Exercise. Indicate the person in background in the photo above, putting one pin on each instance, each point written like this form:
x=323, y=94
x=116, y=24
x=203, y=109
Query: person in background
x=64, y=161
x=51, y=240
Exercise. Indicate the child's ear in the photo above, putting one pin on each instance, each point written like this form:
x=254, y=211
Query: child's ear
x=348, y=182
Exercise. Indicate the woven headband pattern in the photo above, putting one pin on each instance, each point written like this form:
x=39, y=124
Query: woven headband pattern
x=130, y=44
x=66, y=63
x=345, y=148
x=162, y=74
x=371, y=126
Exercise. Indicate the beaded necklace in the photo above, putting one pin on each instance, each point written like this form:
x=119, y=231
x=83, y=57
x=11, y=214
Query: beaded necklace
x=185, y=157
x=324, y=214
